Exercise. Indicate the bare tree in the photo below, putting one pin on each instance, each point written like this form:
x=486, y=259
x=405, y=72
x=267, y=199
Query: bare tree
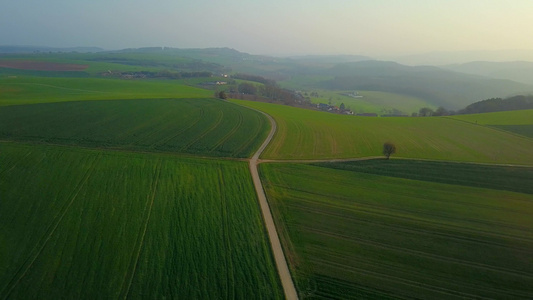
x=389, y=149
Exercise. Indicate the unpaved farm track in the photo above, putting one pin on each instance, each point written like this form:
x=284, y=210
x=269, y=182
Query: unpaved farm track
x=279, y=257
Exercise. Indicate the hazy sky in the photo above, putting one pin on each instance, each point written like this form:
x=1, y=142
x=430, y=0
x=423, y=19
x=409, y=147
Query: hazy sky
x=279, y=27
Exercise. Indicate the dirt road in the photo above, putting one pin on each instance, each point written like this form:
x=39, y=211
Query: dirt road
x=281, y=263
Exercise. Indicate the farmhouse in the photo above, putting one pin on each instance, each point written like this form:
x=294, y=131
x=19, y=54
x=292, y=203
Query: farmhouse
x=322, y=106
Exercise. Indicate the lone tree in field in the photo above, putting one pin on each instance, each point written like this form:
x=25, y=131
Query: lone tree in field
x=389, y=149
x=222, y=95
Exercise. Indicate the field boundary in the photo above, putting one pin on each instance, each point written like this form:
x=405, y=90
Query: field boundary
x=279, y=256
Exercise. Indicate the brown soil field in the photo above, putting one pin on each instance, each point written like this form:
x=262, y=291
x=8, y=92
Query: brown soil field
x=41, y=65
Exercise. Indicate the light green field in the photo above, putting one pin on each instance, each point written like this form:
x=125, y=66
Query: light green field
x=372, y=101
x=515, y=117
x=307, y=134
x=98, y=62
x=354, y=235
x=25, y=90
x=516, y=121
x=92, y=224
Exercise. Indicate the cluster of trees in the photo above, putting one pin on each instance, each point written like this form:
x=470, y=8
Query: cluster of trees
x=267, y=89
x=484, y=106
x=499, y=104
x=271, y=92
x=254, y=78
x=428, y=112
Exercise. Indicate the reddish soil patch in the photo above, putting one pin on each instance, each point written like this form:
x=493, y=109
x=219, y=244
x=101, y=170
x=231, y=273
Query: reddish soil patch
x=41, y=65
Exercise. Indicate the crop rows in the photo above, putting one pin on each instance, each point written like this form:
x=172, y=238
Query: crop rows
x=360, y=234
x=306, y=134
x=501, y=177
x=516, y=121
x=196, y=126
x=127, y=225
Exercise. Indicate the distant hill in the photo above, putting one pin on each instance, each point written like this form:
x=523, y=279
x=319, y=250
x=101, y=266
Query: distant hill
x=440, y=87
x=499, y=104
x=329, y=59
x=460, y=57
x=519, y=71
x=37, y=49
x=436, y=86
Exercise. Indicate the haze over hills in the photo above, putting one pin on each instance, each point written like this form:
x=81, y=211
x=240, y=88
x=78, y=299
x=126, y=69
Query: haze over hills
x=441, y=87
x=453, y=86
x=440, y=58
x=519, y=71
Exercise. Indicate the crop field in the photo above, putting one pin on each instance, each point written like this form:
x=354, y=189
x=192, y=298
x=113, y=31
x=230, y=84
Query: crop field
x=307, y=134
x=26, y=90
x=95, y=224
x=194, y=126
x=98, y=62
x=508, y=178
x=365, y=236
x=517, y=121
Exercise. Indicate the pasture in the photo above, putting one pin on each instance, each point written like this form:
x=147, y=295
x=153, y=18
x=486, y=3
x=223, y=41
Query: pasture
x=307, y=134
x=93, y=224
x=358, y=235
x=205, y=127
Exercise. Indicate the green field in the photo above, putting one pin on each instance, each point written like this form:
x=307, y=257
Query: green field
x=146, y=193
x=26, y=90
x=487, y=176
x=365, y=236
x=307, y=134
x=372, y=101
x=194, y=126
x=102, y=62
x=93, y=224
x=516, y=121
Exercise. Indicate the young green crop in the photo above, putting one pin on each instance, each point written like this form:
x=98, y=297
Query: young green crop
x=515, y=117
x=358, y=235
x=517, y=121
x=27, y=90
x=307, y=134
x=95, y=224
x=194, y=126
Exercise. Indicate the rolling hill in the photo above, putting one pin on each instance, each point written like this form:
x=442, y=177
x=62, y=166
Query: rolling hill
x=519, y=71
x=445, y=88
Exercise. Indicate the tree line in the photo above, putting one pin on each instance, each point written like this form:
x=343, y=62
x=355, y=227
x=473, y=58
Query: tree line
x=498, y=104
x=484, y=106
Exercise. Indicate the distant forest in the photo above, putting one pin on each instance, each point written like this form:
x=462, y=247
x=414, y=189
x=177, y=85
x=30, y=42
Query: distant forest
x=499, y=104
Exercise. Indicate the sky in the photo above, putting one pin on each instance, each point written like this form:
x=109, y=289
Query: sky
x=273, y=27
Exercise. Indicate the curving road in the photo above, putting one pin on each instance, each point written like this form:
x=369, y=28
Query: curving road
x=279, y=257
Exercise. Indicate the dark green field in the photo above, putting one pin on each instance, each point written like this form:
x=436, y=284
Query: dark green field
x=93, y=224
x=354, y=234
x=516, y=121
x=193, y=126
x=488, y=176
